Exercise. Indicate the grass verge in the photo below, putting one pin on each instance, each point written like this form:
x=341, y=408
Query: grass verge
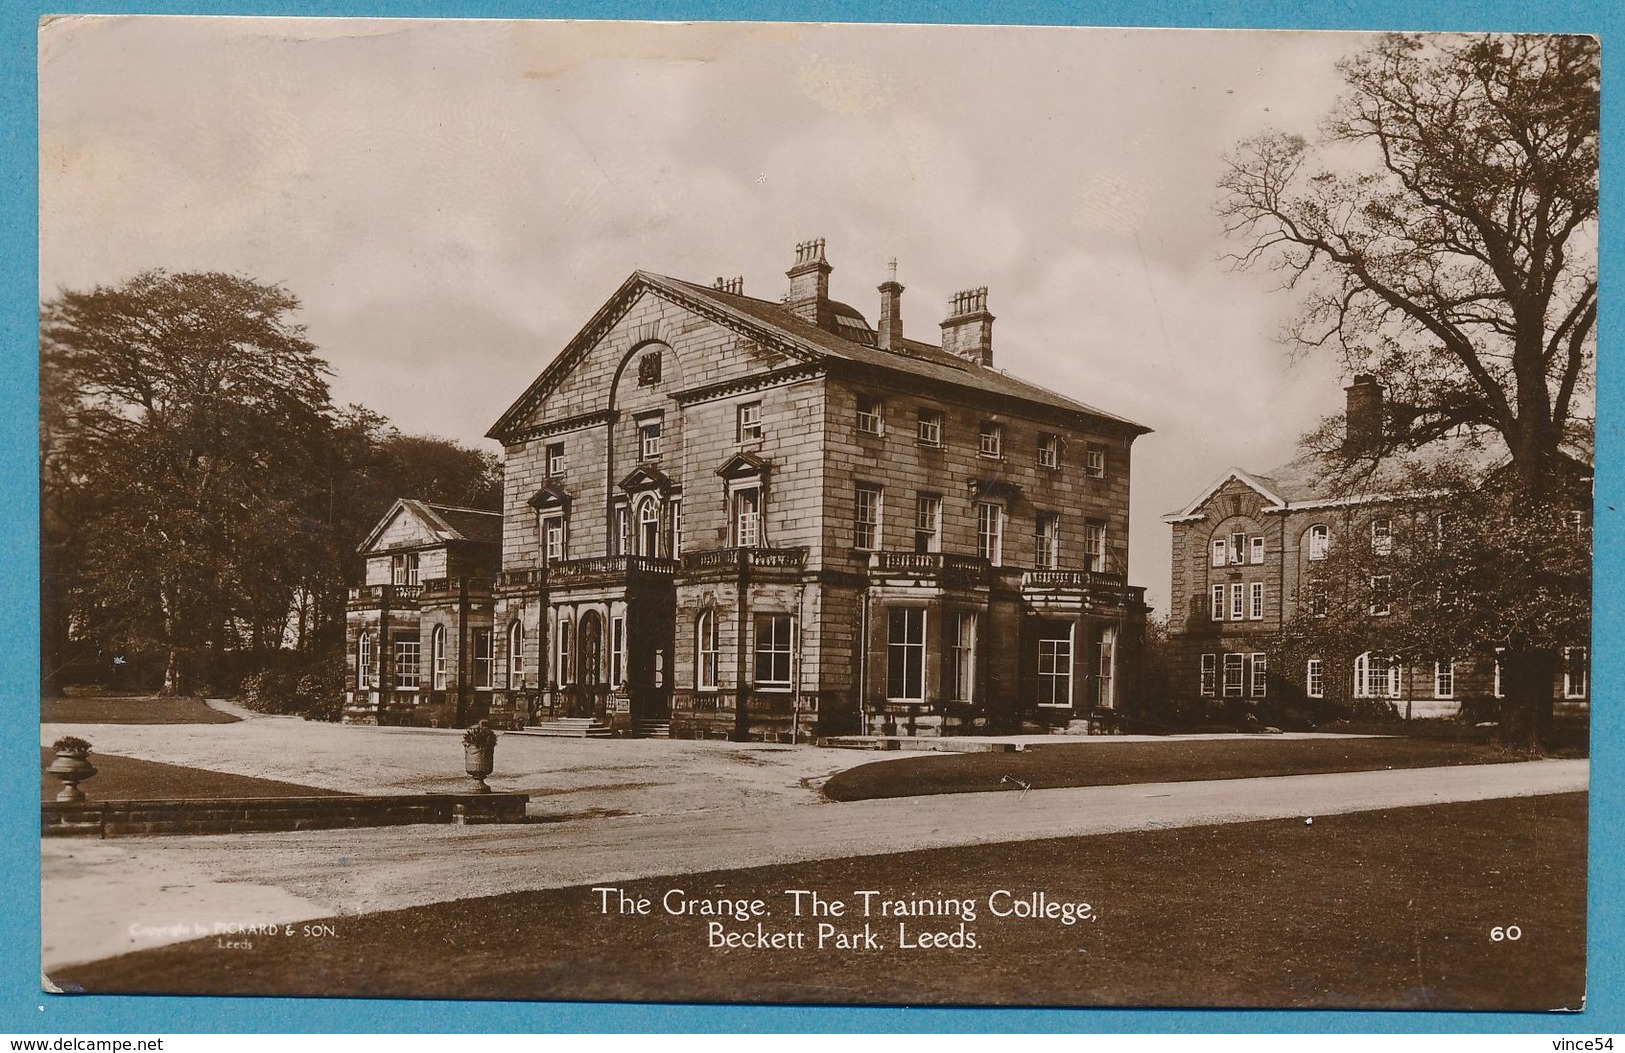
x=130, y=709
x=1385, y=909
x=1098, y=763
x=128, y=779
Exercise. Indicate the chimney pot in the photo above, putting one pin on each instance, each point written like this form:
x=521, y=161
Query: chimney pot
x=808, y=298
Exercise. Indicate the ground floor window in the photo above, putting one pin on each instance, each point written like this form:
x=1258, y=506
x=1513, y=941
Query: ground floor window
x=905, y=654
x=1314, y=679
x=1444, y=679
x=1235, y=673
x=705, y=632
x=565, y=669
x=407, y=653
x=964, y=657
x=1055, y=664
x=484, y=658
x=363, y=661
x=516, y=654
x=1105, y=683
x=1260, y=674
x=1576, y=672
x=1376, y=676
x=1210, y=675
x=437, y=657
x=773, y=650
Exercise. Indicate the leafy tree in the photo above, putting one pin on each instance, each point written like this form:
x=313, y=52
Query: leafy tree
x=182, y=413
x=1442, y=232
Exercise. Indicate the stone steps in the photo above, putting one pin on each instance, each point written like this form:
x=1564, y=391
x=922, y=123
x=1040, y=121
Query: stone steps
x=652, y=729
x=568, y=728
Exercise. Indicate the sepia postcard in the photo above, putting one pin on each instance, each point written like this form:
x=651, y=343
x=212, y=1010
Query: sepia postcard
x=816, y=514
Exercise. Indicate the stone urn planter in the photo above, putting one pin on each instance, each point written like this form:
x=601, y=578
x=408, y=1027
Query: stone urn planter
x=479, y=754
x=71, y=766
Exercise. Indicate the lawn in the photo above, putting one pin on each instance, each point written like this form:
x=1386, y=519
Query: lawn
x=1099, y=763
x=130, y=709
x=1389, y=909
x=128, y=779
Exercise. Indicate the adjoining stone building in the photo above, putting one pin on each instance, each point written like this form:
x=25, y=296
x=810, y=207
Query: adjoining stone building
x=728, y=516
x=1250, y=551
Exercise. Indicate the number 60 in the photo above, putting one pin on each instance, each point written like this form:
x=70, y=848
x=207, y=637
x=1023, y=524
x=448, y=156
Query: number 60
x=1509, y=932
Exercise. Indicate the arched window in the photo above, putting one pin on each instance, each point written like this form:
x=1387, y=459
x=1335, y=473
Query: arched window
x=363, y=661
x=437, y=657
x=566, y=672
x=648, y=528
x=1319, y=539
x=705, y=633
x=1376, y=676
x=516, y=654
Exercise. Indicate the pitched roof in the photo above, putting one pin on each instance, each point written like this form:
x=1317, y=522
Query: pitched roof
x=445, y=522
x=854, y=343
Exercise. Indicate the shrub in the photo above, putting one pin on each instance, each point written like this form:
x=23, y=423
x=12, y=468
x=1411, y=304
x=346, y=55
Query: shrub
x=480, y=737
x=1376, y=710
x=72, y=745
x=270, y=691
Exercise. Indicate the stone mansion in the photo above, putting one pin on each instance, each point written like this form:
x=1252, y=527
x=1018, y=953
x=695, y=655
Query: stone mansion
x=749, y=518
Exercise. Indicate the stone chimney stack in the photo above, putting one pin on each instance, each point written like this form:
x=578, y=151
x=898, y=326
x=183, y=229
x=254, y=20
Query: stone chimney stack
x=1363, y=417
x=968, y=330
x=809, y=285
x=890, y=337
x=735, y=285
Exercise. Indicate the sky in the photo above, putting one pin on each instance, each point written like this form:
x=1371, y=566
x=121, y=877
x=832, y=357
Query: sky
x=451, y=200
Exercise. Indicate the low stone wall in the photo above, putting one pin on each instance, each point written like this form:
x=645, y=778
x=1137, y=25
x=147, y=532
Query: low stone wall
x=258, y=814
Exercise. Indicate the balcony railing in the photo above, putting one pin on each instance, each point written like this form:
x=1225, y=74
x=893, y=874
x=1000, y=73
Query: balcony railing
x=386, y=595
x=571, y=571
x=927, y=563
x=530, y=577
x=1072, y=579
x=455, y=586
x=746, y=558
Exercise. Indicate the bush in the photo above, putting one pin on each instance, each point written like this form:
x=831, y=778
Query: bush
x=271, y=691
x=1373, y=710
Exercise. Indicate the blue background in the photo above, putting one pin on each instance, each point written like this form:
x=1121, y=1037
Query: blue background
x=24, y=1010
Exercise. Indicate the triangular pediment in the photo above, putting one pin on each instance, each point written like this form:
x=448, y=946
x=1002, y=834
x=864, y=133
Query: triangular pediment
x=552, y=495
x=1197, y=508
x=744, y=465
x=408, y=524
x=646, y=477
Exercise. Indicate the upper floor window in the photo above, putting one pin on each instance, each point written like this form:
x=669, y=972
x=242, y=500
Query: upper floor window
x=747, y=517
x=1094, y=461
x=750, y=421
x=1576, y=672
x=1216, y=604
x=555, y=460
x=991, y=441
x=866, y=519
x=929, y=429
x=649, y=369
x=648, y=528
x=403, y=568
x=871, y=415
x=649, y=439
x=623, y=530
x=1256, y=549
x=1049, y=451
x=773, y=650
x=1314, y=596
x=553, y=537
x=990, y=531
x=1255, y=600
x=1221, y=549
x=1382, y=600
x=1382, y=536
x=1094, y=545
x=1238, y=607
x=1319, y=540
x=927, y=523
x=676, y=506
x=1047, y=540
